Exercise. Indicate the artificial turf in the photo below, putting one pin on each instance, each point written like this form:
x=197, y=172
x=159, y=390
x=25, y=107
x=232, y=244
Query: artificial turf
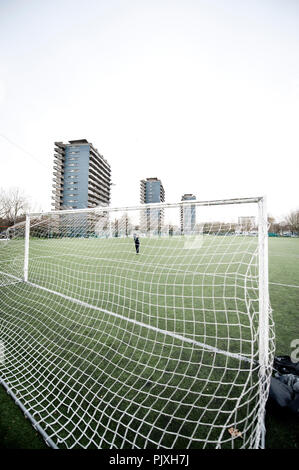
x=283, y=268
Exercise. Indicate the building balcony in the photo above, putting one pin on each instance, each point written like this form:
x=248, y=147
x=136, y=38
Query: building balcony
x=57, y=190
x=58, y=173
x=59, y=156
x=58, y=165
x=98, y=181
x=58, y=178
x=99, y=157
x=99, y=171
x=98, y=195
x=99, y=163
x=57, y=197
x=57, y=186
x=59, y=149
x=95, y=170
x=96, y=191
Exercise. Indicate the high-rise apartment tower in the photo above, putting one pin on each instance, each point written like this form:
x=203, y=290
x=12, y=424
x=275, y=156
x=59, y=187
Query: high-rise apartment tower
x=152, y=191
x=188, y=215
x=82, y=177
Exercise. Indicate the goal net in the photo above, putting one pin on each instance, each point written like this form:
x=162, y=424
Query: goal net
x=140, y=327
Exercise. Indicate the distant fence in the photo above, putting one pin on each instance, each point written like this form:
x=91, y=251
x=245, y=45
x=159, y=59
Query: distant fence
x=272, y=234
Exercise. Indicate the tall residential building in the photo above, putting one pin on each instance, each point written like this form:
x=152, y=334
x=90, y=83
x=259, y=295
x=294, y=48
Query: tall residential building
x=188, y=215
x=82, y=177
x=152, y=191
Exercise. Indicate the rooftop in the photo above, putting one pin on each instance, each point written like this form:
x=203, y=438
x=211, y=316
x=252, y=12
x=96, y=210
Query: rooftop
x=80, y=141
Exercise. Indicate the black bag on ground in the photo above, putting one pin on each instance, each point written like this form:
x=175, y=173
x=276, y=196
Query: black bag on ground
x=280, y=393
x=284, y=386
x=285, y=365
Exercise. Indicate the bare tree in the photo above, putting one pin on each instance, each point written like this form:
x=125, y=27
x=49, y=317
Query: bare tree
x=116, y=224
x=271, y=224
x=126, y=224
x=13, y=205
x=292, y=221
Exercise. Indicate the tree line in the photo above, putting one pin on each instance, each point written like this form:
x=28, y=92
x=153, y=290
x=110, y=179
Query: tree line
x=13, y=207
x=290, y=223
x=14, y=204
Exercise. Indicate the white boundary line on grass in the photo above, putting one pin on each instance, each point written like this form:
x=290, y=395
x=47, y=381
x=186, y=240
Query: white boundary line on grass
x=160, y=265
x=284, y=285
x=135, y=322
x=12, y=276
x=144, y=325
x=284, y=255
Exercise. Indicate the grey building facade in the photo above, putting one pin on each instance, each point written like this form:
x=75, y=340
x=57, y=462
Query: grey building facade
x=152, y=191
x=81, y=176
x=188, y=215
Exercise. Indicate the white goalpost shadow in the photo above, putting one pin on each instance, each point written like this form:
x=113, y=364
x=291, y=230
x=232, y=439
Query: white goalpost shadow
x=208, y=258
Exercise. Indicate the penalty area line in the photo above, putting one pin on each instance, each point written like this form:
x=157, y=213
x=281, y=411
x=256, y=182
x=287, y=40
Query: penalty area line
x=144, y=325
x=136, y=322
x=284, y=285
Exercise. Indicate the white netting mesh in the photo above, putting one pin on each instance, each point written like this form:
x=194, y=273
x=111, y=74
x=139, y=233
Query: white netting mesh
x=115, y=343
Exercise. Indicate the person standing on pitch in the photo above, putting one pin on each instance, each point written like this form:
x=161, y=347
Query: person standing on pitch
x=137, y=243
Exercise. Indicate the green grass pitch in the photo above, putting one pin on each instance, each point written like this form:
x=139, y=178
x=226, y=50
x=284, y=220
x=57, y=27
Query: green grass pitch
x=116, y=282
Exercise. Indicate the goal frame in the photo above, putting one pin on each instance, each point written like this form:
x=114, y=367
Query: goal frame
x=264, y=304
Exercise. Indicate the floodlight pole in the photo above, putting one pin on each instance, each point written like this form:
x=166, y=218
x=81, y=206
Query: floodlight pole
x=26, y=257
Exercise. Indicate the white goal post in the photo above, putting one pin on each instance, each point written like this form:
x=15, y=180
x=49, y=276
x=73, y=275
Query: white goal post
x=140, y=327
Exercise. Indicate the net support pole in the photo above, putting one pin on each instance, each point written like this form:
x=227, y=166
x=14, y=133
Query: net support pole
x=26, y=257
x=263, y=314
x=28, y=415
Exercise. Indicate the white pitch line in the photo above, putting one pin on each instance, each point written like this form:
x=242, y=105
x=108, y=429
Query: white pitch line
x=285, y=285
x=12, y=276
x=144, y=325
x=283, y=255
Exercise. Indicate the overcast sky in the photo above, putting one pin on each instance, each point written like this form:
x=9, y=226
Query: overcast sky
x=203, y=94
